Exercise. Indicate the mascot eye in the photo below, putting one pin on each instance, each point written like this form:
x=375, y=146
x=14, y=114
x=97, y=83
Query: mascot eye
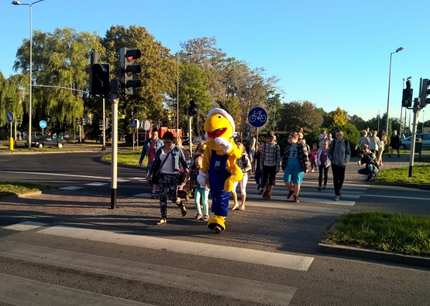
x=219, y=117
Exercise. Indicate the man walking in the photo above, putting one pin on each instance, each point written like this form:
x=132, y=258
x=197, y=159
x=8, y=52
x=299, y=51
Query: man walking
x=150, y=148
x=339, y=154
x=270, y=155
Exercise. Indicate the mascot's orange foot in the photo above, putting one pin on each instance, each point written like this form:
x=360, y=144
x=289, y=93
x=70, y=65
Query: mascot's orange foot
x=216, y=223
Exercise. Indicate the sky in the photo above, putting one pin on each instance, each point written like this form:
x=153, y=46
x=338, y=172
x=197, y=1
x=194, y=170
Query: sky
x=332, y=53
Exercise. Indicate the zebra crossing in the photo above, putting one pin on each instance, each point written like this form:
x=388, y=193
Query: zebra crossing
x=228, y=286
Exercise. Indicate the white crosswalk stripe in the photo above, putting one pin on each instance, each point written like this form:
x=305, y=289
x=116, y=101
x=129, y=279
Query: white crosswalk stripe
x=227, y=286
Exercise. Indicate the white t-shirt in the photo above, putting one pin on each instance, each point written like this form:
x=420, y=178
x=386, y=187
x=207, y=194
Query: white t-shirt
x=167, y=165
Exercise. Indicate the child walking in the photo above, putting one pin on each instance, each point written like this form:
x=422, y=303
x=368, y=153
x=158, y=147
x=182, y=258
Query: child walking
x=323, y=163
x=313, y=157
x=201, y=193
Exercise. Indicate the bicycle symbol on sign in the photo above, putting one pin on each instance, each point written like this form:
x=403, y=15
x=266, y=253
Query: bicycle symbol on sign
x=257, y=117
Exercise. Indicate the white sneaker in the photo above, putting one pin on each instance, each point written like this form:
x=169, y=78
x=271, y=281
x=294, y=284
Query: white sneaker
x=162, y=221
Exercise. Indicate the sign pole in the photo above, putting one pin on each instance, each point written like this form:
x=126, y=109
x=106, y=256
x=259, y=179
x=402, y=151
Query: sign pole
x=11, y=142
x=114, y=188
x=191, y=135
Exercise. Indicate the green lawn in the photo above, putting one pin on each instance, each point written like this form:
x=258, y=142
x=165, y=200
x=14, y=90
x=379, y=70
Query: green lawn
x=17, y=188
x=126, y=158
x=405, y=234
x=421, y=176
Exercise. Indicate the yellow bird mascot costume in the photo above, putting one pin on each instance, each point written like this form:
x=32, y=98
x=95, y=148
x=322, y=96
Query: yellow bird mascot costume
x=220, y=169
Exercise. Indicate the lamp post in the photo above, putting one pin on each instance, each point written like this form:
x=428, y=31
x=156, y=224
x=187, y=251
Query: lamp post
x=389, y=88
x=30, y=7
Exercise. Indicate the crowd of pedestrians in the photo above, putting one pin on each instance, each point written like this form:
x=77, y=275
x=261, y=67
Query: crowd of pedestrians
x=169, y=170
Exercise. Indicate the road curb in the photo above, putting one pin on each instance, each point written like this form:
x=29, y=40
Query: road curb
x=336, y=249
x=29, y=194
x=417, y=186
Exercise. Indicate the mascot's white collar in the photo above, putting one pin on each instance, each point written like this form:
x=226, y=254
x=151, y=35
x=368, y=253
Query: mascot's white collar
x=223, y=112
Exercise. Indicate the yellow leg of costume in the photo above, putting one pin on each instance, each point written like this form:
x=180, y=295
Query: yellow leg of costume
x=217, y=223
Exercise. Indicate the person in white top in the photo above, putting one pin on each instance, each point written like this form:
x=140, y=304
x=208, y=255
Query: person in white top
x=169, y=161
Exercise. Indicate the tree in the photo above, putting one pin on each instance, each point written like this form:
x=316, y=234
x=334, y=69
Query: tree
x=296, y=115
x=159, y=69
x=338, y=118
x=193, y=85
x=60, y=59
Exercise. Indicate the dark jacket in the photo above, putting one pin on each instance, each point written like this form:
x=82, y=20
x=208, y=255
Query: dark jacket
x=347, y=153
x=146, y=146
x=178, y=160
x=395, y=142
x=301, y=155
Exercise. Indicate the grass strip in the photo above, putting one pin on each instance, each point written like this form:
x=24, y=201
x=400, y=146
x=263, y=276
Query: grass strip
x=398, y=233
x=399, y=176
x=130, y=159
x=7, y=188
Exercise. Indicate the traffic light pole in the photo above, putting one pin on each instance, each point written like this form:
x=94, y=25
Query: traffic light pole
x=114, y=188
x=104, y=124
x=414, y=138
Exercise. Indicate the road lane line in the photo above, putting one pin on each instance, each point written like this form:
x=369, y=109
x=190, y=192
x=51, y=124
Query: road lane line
x=280, y=260
x=17, y=290
x=163, y=275
x=396, y=197
x=66, y=175
x=96, y=184
x=71, y=188
x=24, y=226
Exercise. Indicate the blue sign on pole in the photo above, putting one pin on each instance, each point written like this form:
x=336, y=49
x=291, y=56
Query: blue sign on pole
x=9, y=117
x=43, y=124
x=257, y=117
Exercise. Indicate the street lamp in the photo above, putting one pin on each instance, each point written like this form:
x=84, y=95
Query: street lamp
x=30, y=7
x=389, y=88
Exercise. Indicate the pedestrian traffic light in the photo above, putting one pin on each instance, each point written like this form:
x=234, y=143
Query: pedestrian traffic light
x=99, y=79
x=407, y=95
x=425, y=93
x=192, y=108
x=129, y=70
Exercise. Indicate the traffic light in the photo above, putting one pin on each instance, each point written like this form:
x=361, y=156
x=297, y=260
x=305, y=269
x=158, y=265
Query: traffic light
x=425, y=92
x=192, y=108
x=129, y=70
x=407, y=95
x=99, y=79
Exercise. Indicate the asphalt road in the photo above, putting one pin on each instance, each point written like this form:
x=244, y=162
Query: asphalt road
x=80, y=252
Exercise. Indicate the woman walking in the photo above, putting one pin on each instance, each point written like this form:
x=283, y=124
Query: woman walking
x=295, y=163
x=168, y=163
x=323, y=163
x=245, y=165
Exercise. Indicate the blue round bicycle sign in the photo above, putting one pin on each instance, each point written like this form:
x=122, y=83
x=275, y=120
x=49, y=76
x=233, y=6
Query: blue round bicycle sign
x=257, y=117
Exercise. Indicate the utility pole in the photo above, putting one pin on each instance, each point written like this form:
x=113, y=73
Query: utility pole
x=114, y=187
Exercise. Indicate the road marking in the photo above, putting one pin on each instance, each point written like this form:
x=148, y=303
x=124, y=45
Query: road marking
x=67, y=175
x=143, y=195
x=24, y=226
x=163, y=275
x=396, y=197
x=71, y=188
x=96, y=184
x=17, y=290
x=303, y=200
x=280, y=260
